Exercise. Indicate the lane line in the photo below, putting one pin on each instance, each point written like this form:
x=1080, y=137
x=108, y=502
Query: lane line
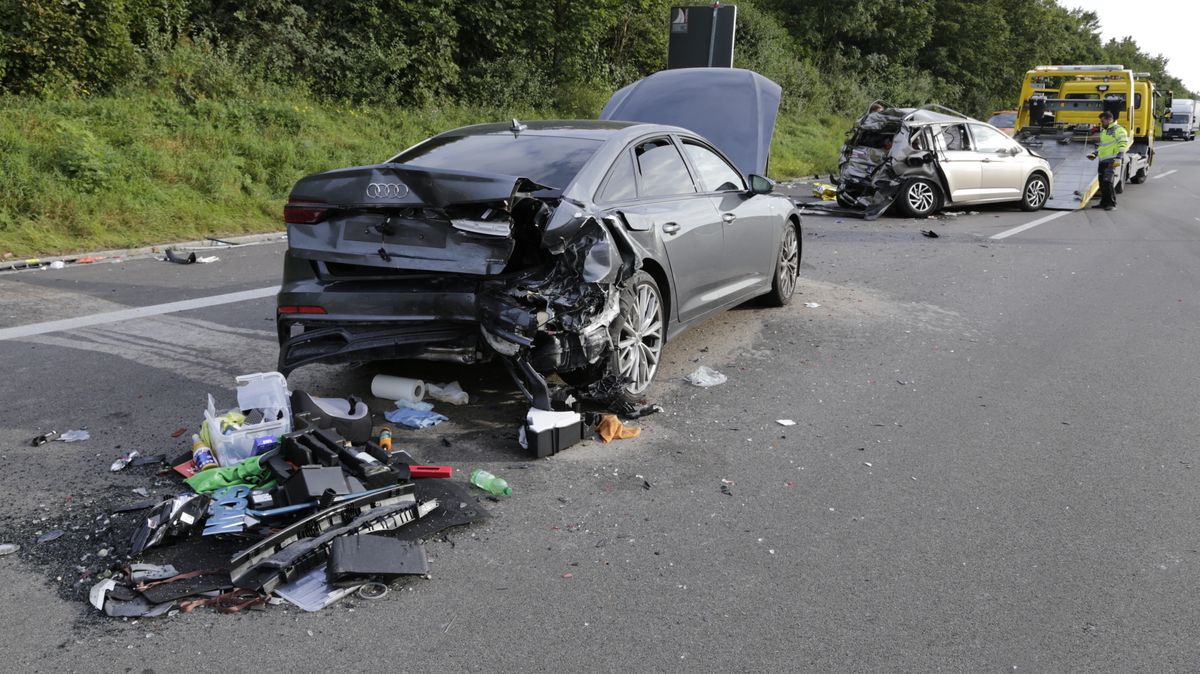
x=1163, y=175
x=1029, y=225
x=34, y=329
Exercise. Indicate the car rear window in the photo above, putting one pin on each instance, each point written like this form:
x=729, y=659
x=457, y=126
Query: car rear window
x=549, y=160
x=1003, y=120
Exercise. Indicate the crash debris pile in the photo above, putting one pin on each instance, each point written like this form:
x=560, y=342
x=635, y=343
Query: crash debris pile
x=293, y=497
x=312, y=506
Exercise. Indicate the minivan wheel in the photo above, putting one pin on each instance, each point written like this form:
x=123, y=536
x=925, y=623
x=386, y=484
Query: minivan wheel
x=787, y=269
x=1035, y=193
x=920, y=198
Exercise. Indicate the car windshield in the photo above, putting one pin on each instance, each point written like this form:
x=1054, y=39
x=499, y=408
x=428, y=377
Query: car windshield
x=1003, y=120
x=552, y=161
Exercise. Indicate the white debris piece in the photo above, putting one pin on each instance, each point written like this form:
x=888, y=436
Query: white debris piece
x=705, y=376
x=812, y=305
x=785, y=422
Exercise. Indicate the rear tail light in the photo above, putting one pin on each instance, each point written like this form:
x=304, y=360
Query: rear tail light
x=304, y=212
x=301, y=310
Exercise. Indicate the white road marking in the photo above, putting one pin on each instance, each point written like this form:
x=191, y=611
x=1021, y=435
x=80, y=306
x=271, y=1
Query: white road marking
x=1029, y=225
x=1163, y=175
x=22, y=331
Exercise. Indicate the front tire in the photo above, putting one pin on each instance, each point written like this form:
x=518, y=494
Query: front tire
x=920, y=199
x=1036, y=191
x=787, y=268
x=1139, y=177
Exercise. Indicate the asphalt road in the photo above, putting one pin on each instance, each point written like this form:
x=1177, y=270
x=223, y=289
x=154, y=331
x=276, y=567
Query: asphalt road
x=991, y=469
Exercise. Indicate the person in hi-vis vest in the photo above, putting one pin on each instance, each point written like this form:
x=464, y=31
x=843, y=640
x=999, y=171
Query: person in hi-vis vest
x=1114, y=140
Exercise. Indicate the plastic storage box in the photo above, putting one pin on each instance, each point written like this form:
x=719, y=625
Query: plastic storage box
x=266, y=392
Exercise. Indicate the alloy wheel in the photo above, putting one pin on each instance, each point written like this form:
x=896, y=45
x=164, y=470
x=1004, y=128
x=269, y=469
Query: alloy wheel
x=789, y=263
x=640, y=340
x=1035, y=193
x=920, y=197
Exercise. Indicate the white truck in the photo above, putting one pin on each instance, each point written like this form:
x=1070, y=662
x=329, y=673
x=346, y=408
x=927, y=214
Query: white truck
x=1182, y=123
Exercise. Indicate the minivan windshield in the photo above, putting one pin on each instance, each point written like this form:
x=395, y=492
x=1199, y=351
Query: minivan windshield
x=552, y=161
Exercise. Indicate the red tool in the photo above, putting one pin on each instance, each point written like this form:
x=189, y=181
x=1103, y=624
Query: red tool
x=430, y=471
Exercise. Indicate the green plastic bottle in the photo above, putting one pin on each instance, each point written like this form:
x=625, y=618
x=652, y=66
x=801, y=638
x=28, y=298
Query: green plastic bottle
x=490, y=483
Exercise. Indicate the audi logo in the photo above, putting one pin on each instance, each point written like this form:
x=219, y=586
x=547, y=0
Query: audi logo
x=387, y=190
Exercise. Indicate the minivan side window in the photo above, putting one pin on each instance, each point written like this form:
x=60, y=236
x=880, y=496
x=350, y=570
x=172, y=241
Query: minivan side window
x=988, y=139
x=954, y=137
x=716, y=175
x=662, y=169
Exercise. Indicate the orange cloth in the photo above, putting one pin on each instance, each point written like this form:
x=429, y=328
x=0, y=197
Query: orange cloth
x=610, y=428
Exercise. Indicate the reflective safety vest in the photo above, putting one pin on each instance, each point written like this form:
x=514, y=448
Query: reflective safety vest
x=1113, y=141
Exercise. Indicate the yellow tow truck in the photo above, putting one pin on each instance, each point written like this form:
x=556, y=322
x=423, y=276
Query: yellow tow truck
x=1058, y=119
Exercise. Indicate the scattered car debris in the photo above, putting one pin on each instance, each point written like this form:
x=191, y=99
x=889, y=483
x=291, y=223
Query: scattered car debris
x=8, y=548
x=75, y=436
x=412, y=415
x=50, y=535
x=705, y=377
x=397, y=388
x=497, y=486
x=42, y=439
x=451, y=393
x=929, y=234
x=172, y=256
x=812, y=305
x=785, y=422
x=610, y=428
x=124, y=460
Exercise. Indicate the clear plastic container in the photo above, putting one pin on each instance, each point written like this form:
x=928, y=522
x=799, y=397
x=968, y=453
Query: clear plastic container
x=266, y=392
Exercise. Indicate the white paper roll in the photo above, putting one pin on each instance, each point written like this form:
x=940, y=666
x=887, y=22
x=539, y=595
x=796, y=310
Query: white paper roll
x=397, y=388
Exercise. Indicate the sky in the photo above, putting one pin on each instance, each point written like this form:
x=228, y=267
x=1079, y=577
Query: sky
x=1167, y=27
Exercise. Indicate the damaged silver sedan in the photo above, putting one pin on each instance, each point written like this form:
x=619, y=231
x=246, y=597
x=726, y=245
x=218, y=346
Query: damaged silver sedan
x=569, y=247
x=924, y=159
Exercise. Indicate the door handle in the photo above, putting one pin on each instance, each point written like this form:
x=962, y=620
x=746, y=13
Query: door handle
x=987, y=160
x=729, y=217
x=670, y=227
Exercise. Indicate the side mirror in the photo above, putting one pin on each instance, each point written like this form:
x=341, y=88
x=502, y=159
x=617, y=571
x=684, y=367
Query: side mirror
x=761, y=185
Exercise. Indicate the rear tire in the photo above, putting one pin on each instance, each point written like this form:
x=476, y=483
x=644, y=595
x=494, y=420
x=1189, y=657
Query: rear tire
x=639, y=334
x=787, y=268
x=920, y=199
x=1036, y=191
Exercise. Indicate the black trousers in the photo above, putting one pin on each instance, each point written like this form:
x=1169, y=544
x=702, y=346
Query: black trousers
x=1106, y=170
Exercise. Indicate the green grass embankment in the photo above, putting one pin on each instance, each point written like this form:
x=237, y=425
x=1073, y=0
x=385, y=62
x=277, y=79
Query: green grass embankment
x=94, y=173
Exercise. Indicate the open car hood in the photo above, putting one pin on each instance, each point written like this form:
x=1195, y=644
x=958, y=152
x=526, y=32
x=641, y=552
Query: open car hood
x=735, y=109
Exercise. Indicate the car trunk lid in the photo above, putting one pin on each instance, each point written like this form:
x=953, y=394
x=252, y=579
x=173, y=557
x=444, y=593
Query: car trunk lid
x=405, y=217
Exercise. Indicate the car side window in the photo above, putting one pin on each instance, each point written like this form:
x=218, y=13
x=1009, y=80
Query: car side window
x=954, y=137
x=621, y=184
x=988, y=139
x=716, y=175
x=662, y=169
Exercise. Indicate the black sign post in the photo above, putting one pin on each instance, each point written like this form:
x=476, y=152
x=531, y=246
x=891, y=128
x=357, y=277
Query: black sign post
x=702, y=37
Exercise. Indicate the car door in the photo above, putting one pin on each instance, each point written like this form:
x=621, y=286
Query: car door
x=751, y=228
x=665, y=199
x=1002, y=171
x=958, y=161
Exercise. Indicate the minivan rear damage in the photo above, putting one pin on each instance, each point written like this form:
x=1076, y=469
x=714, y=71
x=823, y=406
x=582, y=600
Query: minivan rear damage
x=487, y=265
x=880, y=154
